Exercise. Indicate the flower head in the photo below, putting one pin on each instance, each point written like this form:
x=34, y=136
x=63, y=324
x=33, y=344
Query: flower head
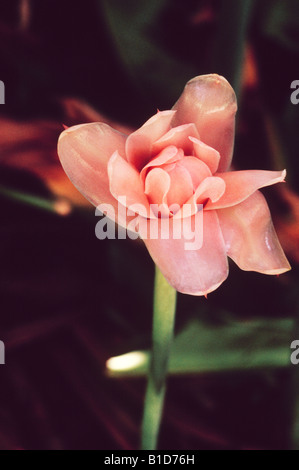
x=181, y=158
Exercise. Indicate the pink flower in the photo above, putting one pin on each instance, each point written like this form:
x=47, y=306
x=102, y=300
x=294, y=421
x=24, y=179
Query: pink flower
x=183, y=157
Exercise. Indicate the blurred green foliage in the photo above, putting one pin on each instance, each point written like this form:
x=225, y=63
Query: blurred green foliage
x=231, y=346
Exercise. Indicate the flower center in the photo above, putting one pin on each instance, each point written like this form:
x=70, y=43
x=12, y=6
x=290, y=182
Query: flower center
x=171, y=178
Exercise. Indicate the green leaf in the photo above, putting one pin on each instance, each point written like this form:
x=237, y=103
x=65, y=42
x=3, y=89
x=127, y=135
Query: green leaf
x=201, y=348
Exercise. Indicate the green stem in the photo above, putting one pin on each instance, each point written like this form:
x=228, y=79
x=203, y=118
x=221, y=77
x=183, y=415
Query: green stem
x=163, y=328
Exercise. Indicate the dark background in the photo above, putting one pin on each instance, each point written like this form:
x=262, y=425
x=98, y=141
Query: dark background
x=68, y=302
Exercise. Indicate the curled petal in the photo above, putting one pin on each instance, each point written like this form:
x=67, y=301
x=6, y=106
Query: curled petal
x=157, y=184
x=210, y=103
x=84, y=152
x=212, y=188
x=181, y=187
x=179, y=137
x=139, y=143
x=206, y=154
x=168, y=155
x=250, y=237
x=197, y=169
x=241, y=184
x=197, y=271
x=125, y=182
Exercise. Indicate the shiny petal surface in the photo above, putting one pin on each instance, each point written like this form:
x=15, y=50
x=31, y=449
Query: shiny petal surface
x=241, y=184
x=179, y=137
x=125, y=183
x=250, y=237
x=210, y=103
x=212, y=188
x=197, y=169
x=139, y=143
x=181, y=187
x=168, y=155
x=157, y=184
x=206, y=154
x=84, y=152
x=198, y=271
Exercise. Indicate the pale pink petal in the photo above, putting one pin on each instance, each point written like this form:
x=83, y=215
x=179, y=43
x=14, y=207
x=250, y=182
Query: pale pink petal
x=194, y=272
x=125, y=183
x=250, y=237
x=84, y=152
x=212, y=188
x=139, y=143
x=210, y=103
x=206, y=154
x=197, y=169
x=179, y=137
x=241, y=184
x=181, y=187
x=157, y=184
x=168, y=155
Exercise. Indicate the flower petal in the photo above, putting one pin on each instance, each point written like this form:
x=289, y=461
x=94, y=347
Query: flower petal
x=206, y=154
x=250, y=237
x=210, y=103
x=194, y=272
x=241, y=184
x=157, y=184
x=212, y=188
x=168, y=155
x=197, y=169
x=179, y=137
x=125, y=183
x=84, y=152
x=139, y=143
x=181, y=187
